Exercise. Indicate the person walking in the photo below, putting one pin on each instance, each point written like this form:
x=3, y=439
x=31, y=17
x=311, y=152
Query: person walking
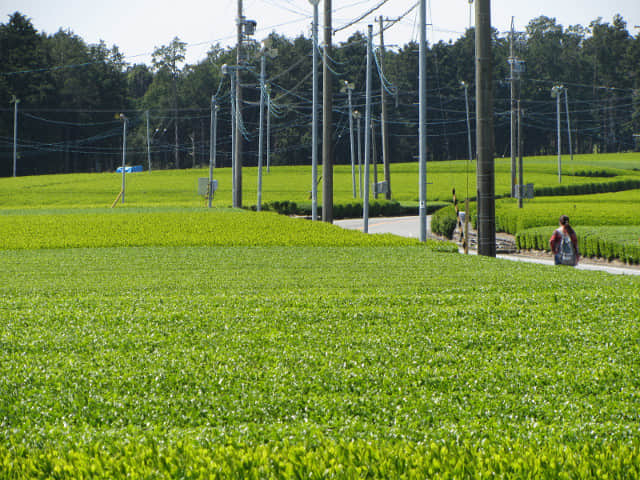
x=564, y=244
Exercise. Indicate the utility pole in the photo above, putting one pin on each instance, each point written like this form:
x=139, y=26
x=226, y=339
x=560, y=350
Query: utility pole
x=314, y=122
x=466, y=202
x=146, y=113
x=484, y=133
x=268, y=93
x=237, y=160
x=367, y=134
x=327, y=120
x=357, y=115
x=466, y=102
x=212, y=146
x=125, y=120
x=556, y=92
x=16, y=101
x=349, y=87
x=383, y=117
x=566, y=103
x=520, y=153
x=260, y=134
x=422, y=121
x=512, y=81
x=374, y=156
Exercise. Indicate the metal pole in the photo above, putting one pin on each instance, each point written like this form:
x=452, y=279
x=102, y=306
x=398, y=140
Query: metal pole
x=566, y=103
x=374, y=156
x=268, y=130
x=237, y=174
x=148, y=141
x=314, y=122
x=520, y=153
x=466, y=203
x=260, y=134
x=16, y=101
x=558, y=92
x=212, y=145
x=124, y=152
x=422, y=122
x=466, y=101
x=351, y=143
x=233, y=133
x=512, y=81
x=367, y=136
x=358, y=119
x=383, y=118
x=484, y=132
x=327, y=120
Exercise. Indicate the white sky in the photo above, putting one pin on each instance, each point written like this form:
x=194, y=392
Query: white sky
x=138, y=27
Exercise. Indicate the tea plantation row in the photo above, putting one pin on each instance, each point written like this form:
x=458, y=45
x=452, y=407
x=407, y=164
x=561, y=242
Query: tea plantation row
x=313, y=362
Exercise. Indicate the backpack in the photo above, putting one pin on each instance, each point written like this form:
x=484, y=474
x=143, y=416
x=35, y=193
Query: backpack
x=567, y=252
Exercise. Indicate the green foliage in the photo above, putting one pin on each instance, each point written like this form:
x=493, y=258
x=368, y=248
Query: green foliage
x=313, y=362
x=444, y=221
x=619, y=208
x=180, y=228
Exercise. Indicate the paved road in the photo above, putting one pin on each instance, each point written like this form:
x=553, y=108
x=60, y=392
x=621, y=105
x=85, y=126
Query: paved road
x=410, y=227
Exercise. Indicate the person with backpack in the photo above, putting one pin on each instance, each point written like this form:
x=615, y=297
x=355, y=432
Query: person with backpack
x=564, y=244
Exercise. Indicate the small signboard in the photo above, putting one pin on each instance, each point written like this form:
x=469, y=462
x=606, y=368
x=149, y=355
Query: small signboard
x=381, y=187
x=130, y=169
x=527, y=191
x=203, y=186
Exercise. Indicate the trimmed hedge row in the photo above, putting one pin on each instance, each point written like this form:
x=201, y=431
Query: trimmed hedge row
x=600, y=242
x=587, y=188
x=352, y=210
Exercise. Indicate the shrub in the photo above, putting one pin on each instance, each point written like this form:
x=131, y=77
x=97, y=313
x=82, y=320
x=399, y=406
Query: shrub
x=444, y=221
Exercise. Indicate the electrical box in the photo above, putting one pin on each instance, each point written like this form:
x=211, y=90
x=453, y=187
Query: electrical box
x=381, y=187
x=203, y=186
x=527, y=191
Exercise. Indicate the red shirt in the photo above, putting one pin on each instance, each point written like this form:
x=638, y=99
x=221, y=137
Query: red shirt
x=556, y=239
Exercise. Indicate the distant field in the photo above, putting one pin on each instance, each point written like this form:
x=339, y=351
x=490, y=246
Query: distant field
x=179, y=187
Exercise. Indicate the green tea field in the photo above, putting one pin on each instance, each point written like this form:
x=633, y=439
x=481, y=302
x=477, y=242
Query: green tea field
x=163, y=340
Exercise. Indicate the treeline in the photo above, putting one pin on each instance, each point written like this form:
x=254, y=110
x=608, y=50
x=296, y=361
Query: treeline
x=71, y=95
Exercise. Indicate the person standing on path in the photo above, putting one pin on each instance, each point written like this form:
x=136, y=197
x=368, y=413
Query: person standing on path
x=564, y=244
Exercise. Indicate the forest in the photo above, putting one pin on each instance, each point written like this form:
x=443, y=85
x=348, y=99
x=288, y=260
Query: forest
x=69, y=97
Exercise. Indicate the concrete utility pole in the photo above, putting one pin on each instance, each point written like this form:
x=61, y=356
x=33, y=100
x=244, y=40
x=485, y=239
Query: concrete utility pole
x=327, y=120
x=367, y=135
x=466, y=102
x=16, y=101
x=237, y=160
x=261, y=129
x=125, y=120
x=314, y=121
x=383, y=117
x=374, y=156
x=512, y=81
x=556, y=92
x=484, y=133
x=349, y=88
x=357, y=115
x=422, y=121
x=146, y=114
x=520, y=153
x=268, y=130
x=212, y=146
x=566, y=104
